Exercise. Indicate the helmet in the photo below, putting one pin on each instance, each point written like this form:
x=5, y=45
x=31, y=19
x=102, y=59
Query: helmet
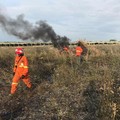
x=19, y=51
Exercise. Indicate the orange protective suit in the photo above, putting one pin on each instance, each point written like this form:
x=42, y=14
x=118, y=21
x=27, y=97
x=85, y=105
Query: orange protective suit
x=79, y=50
x=20, y=68
x=66, y=49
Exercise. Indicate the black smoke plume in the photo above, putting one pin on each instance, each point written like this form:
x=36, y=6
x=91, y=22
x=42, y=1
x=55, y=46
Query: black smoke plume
x=26, y=31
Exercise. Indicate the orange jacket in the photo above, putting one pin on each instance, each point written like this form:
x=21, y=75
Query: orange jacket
x=66, y=49
x=21, y=65
x=79, y=50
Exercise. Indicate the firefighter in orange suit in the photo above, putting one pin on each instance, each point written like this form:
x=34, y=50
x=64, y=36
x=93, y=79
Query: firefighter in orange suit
x=66, y=49
x=20, y=70
x=79, y=51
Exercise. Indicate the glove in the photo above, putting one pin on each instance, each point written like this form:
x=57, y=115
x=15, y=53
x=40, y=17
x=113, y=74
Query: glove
x=22, y=77
x=13, y=73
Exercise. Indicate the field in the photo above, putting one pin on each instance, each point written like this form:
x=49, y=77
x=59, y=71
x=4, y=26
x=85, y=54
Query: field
x=62, y=88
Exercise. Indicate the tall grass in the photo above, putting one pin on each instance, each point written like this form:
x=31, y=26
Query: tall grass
x=64, y=89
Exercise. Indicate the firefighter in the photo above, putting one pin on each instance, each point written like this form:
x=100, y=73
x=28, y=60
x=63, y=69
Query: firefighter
x=66, y=49
x=79, y=51
x=20, y=70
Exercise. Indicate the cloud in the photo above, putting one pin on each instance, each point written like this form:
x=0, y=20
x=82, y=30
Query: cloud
x=93, y=19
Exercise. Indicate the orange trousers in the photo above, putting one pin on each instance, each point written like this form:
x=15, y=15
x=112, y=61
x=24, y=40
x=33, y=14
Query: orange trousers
x=16, y=80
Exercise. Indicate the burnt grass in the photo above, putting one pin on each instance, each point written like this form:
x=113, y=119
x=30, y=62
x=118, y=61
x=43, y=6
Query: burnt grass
x=62, y=89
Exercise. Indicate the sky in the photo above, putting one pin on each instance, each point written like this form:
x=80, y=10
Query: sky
x=90, y=20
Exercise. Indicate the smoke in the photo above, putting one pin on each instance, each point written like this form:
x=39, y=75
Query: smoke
x=24, y=30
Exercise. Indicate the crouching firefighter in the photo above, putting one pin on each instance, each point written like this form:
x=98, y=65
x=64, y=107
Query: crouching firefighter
x=20, y=70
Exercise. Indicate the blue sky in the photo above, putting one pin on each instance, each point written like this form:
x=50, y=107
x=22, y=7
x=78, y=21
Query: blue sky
x=92, y=20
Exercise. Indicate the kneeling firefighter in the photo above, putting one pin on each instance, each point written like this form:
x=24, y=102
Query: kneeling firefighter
x=20, y=70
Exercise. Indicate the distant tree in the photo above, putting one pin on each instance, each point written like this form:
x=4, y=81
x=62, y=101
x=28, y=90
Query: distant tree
x=113, y=40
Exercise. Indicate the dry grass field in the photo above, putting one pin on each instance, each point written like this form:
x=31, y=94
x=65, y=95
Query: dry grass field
x=62, y=88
